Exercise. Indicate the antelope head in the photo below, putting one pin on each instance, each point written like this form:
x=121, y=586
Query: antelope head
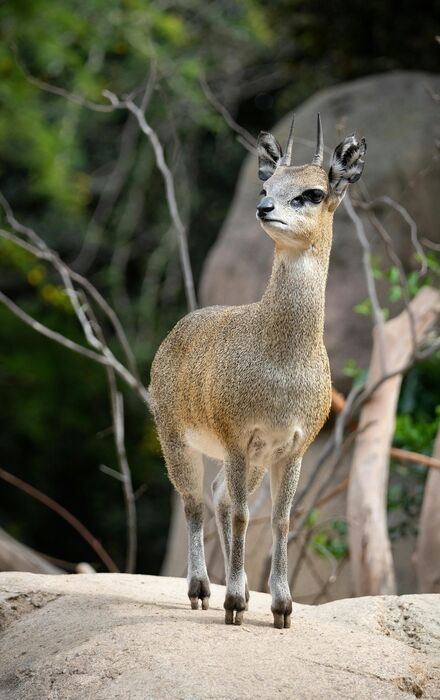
x=298, y=201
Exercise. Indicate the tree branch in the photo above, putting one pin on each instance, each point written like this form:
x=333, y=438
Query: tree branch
x=384, y=199
x=372, y=293
x=40, y=249
x=63, y=513
x=169, y=190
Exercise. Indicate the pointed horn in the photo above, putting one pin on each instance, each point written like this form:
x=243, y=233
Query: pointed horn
x=288, y=156
x=319, y=155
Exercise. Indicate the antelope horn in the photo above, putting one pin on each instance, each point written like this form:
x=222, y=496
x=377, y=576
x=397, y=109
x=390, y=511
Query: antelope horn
x=288, y=156
x=319, y=155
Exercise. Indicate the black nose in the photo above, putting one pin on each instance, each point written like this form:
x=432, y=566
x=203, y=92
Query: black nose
x=265, y=206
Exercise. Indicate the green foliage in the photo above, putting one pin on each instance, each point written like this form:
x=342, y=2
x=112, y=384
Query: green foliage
x=417, y=423
x=35, y=274
x=364, y=307
x=330, y=540
x=414, y=434
x=418, y=415
x=311, y=518
x=415, y=280
x=356, y=373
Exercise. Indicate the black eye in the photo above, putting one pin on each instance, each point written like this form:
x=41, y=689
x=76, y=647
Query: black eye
x=314, y=196
x=297, y=201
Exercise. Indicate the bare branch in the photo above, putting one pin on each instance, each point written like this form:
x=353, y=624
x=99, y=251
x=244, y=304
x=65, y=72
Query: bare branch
x=117, y=412
x=130, y=503
x=114, y=183
x=331, y=579
x=53, y=335
x=172, y=203
x=111, y=472
x=397, y=453
x=107, y=361
x=334, y=442
x=246, y=138
x=370, y=548
x=70, y=96
x=101, y=354
x=402, y=276
x=372, y=293
x=430, y=244
x=40, y=249
x=169, y=189
x=419, y=355
x=244, y=143
x=415, y=457
x=430, y=350
x=48, y=256
x=55, y=90
x=63, y=513
x=138, y=112
x=408, y=219
x=112, y=316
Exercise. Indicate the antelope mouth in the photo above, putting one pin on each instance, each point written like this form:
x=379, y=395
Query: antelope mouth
x=273, y=221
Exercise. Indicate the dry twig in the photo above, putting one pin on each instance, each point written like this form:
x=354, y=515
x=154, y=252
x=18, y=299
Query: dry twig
x=63, y=513
x=169, y=189
x=366, y=256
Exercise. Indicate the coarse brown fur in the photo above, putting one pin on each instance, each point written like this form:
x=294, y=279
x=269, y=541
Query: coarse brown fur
x=251, y=384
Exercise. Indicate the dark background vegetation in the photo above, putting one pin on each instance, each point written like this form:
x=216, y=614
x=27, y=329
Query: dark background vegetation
x=261, y=60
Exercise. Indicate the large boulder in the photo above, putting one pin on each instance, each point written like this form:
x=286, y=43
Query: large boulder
x=106, y=636
x=398, y=115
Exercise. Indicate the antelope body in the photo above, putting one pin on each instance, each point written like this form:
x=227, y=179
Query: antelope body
x=250, y=385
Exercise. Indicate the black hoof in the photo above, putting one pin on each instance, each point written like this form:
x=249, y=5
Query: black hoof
x=198, y=589
x=282, y=611
x=234, y=604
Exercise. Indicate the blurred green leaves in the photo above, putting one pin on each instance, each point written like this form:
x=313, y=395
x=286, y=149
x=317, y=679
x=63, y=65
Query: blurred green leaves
x=329, y=539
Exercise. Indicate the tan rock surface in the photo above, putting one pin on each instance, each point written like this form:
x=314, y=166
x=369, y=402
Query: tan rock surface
x=119, y=636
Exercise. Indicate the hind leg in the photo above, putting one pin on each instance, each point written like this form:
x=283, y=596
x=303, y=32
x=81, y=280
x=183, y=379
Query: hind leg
x=223, y=516
x=223, y=513
x=185, y=469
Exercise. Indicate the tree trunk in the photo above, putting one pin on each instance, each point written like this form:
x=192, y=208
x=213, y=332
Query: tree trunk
x=427, y=556
x=370, y=550
x=15, y=556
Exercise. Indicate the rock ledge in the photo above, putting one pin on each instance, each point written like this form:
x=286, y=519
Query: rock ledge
x=118, y=636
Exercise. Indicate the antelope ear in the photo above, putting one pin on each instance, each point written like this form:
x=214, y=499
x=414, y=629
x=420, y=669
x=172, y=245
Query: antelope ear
x=346, y=166
x=269, y=153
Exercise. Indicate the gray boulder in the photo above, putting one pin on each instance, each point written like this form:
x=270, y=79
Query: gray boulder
x=398, y=116
x=105, y=636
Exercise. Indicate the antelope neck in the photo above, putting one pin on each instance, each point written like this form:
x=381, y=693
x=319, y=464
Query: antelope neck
x=292, y=307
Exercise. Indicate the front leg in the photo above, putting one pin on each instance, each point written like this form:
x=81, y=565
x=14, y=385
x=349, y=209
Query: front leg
x=283, y=482
x=236, y=481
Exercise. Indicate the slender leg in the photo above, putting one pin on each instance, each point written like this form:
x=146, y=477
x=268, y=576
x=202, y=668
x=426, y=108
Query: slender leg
x=223, y=516
x=185, y=468
x=236, y=481
x=283, y=482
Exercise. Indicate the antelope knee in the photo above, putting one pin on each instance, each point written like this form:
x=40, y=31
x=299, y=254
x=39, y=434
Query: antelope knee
x=194, y=510
x=281, y=526
x=240, y=519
